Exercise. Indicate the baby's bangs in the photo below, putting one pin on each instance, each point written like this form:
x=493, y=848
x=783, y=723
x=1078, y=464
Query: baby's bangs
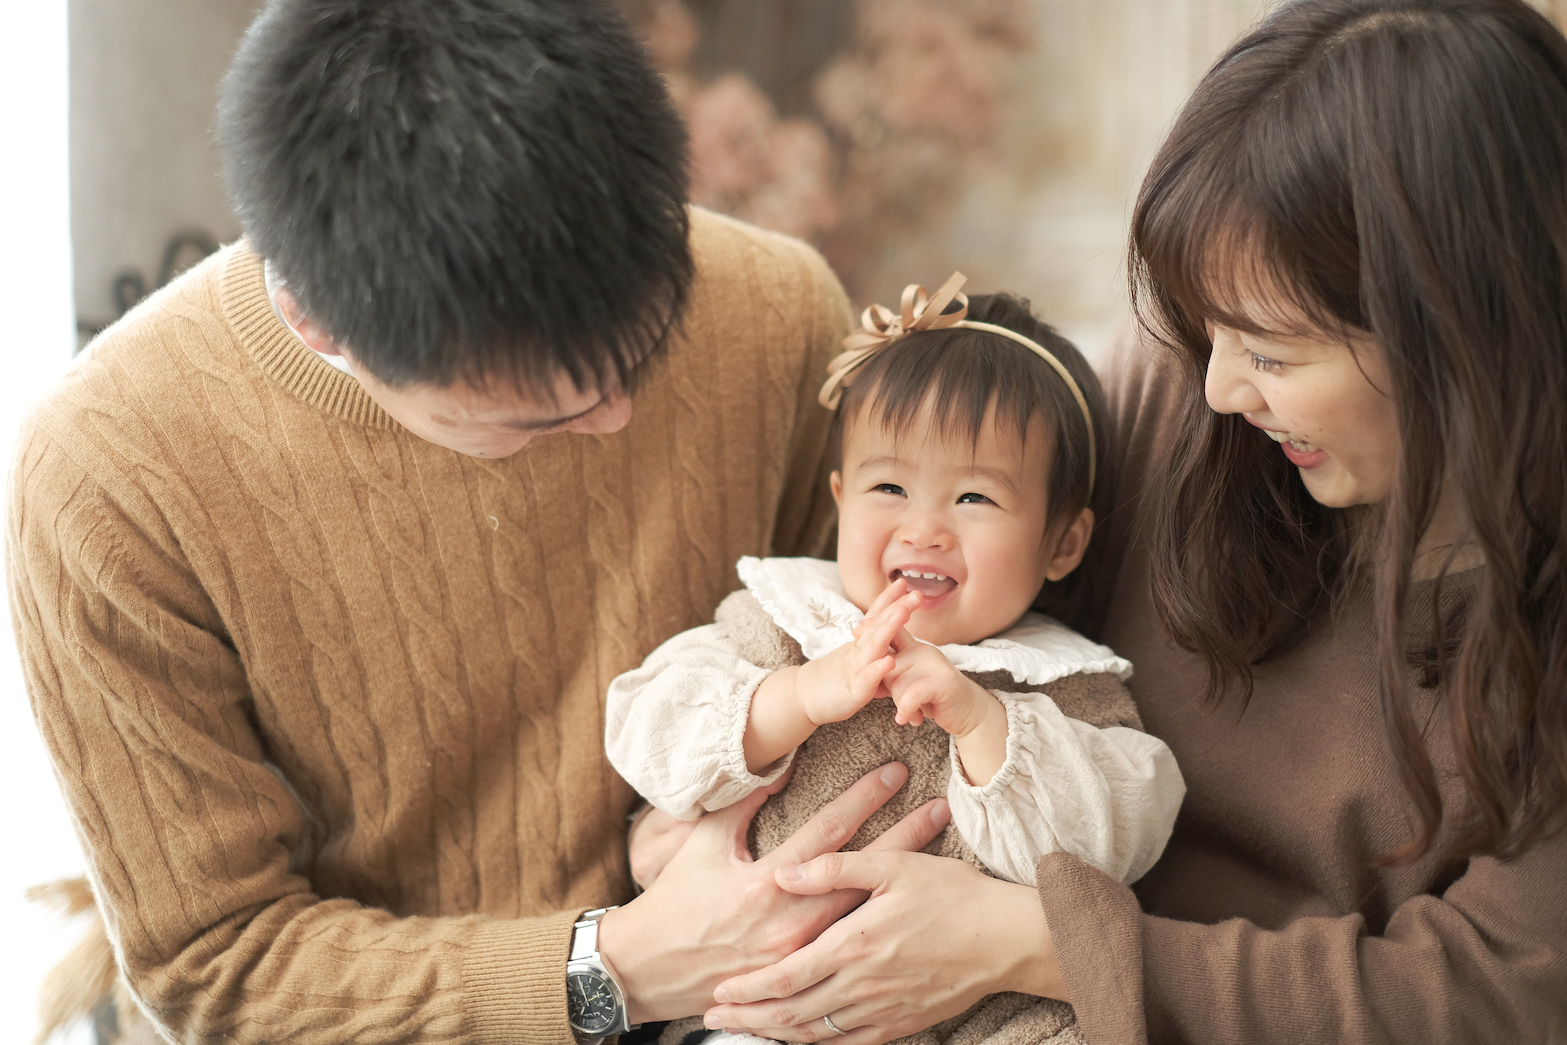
x=961, y=377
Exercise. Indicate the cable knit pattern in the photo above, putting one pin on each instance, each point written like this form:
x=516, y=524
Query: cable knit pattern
x=326, y=700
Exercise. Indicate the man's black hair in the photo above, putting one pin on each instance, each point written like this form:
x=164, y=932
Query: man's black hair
x=463, y=190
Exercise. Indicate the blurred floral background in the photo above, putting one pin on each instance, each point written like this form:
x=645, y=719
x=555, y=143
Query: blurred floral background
x=905, y=138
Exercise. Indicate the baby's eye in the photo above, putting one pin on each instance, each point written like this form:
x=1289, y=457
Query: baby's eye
x=1265, y=364
x=895, y=490
x=975, y=498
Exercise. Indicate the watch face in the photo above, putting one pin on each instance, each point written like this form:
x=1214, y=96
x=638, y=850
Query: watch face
x=590, y=1003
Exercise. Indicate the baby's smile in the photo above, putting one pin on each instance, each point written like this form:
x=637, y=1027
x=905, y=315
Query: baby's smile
x=933, y=585
x=959, y=520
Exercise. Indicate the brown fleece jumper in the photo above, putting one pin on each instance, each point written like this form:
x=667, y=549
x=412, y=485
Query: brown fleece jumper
x=839, y=753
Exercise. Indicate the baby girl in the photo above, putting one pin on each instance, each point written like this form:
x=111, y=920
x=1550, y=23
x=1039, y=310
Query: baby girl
x=966, y=442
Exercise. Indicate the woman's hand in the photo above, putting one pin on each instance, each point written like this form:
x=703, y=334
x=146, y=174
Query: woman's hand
x=714, y=912
x=935, y=936
x=656, y=837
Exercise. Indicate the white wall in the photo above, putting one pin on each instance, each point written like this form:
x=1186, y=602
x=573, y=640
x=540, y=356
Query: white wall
x=108, y=149
x=35, y=297
x=144, y=77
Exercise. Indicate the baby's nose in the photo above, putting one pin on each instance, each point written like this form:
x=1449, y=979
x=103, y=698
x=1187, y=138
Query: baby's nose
x=925, y=532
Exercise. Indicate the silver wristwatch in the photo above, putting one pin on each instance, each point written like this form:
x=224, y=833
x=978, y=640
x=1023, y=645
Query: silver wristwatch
x=595, y=1004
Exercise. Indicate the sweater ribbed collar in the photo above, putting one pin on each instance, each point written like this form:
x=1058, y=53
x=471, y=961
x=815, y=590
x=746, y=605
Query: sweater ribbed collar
x=279, y=353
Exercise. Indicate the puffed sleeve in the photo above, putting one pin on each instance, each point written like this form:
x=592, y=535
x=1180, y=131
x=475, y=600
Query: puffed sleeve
x=675, y=727
x=1106, y=796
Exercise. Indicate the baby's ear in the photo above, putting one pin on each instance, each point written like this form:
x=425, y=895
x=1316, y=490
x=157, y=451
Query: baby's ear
x=1071, y=546
x=836, y=482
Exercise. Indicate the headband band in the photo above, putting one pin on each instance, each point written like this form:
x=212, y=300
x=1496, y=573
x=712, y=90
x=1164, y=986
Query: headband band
x=920, y=311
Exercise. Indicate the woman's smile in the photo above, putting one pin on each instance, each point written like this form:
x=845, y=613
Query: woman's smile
x=1323, y=399
x=1300, y=450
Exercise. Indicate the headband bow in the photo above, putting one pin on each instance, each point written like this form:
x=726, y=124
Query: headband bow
x=880, y=326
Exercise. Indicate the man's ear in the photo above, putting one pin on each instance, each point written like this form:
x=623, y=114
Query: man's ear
x=836, y=482
x=305, y=328
x=1070, y=546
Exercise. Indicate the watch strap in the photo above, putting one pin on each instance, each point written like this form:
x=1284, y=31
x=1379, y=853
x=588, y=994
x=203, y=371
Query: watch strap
x=584, y=951
x=585, y=935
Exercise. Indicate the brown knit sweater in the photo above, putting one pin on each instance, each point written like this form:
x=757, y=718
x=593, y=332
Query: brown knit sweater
x=1265, y=919
x=325, y=700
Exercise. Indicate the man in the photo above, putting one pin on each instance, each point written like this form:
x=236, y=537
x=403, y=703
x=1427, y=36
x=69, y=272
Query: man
x=317, y=625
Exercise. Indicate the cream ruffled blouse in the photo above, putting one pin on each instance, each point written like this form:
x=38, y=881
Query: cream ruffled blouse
x=676, y=727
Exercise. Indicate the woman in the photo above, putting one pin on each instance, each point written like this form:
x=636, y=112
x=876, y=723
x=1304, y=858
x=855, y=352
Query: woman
x=1340, y=575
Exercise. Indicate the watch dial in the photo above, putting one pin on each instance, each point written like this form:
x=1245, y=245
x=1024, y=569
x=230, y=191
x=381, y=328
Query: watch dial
x=590, y=1004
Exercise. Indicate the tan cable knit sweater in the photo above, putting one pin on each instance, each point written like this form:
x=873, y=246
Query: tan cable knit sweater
x=326, y=700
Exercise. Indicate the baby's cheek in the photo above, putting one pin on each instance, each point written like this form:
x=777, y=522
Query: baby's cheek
x=862, y=585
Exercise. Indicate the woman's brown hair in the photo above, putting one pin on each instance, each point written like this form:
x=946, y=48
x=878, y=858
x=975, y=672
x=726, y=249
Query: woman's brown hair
x=1396, y=167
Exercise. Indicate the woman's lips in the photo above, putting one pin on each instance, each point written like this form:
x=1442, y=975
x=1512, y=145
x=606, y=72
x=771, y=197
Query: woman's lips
x=1301, y=453
x=1303, y=458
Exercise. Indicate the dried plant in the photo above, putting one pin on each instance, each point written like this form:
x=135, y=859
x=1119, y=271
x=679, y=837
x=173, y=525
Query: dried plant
x=86, y=985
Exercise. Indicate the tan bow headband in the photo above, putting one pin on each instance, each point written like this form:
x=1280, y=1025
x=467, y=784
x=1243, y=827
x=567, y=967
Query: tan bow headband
x=881, y=326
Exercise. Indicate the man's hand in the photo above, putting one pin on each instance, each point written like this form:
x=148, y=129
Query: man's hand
x=715, y=913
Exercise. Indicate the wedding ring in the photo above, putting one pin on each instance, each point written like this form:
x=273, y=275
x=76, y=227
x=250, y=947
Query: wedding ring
x=831, y=1025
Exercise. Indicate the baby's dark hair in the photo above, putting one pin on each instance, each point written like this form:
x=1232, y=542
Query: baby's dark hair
x=966, y=374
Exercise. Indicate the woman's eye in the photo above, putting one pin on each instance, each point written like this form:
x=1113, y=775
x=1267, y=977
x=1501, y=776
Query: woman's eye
x=896, y=491
x=975, y=498
x=1265, y=364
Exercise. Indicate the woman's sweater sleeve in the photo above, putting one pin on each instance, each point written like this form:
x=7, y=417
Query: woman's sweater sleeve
x=1106, y=796
x=675, y=727
x=1483, y=961
x=193, y=842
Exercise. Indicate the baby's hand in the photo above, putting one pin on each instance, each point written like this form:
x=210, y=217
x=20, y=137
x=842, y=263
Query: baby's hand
x=834, y=687
x=924, y=684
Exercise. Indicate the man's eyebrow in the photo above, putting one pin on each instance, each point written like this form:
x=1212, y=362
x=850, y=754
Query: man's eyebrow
x=554, y=422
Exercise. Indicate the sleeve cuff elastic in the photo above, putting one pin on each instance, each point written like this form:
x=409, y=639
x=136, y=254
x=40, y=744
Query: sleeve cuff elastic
x=514, y=982
x=1096, y=928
